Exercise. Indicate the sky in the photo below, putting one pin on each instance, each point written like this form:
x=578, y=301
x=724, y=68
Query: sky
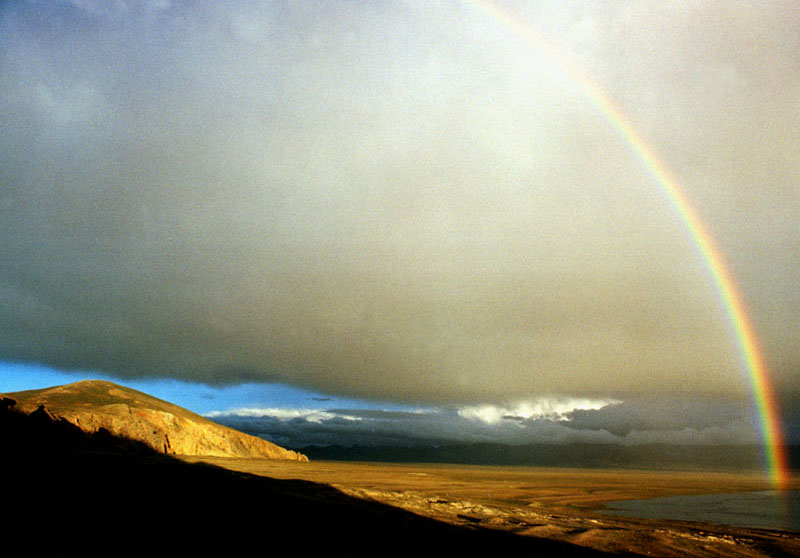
x=402, y=214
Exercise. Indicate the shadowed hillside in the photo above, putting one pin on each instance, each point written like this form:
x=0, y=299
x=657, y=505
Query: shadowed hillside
x=91, y=489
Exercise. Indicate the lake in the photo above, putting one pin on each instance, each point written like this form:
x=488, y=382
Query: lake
x=766, y=509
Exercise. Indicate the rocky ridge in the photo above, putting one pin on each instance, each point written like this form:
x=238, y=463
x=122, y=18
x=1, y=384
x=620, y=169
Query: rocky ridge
x=95, y=406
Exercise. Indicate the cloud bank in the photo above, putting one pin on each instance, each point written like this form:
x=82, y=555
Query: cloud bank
x=633, y=423
x=393, y=202
x=542, y=408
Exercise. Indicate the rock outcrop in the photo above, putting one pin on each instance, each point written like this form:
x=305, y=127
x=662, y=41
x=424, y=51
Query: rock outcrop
x=95, y=406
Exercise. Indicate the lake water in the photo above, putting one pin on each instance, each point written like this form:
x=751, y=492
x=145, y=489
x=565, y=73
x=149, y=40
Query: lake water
x=768, y=509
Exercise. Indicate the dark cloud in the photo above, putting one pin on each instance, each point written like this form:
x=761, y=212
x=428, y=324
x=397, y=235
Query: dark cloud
x=378, y=414
x=666, y=413
x=403, y=204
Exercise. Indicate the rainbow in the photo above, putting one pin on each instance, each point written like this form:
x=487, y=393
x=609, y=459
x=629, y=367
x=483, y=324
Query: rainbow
x=768, y=413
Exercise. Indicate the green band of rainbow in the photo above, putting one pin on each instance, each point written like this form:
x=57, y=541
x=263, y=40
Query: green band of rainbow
x=759, y=379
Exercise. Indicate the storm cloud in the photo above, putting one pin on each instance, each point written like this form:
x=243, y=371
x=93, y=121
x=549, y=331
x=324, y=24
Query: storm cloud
x=398, y=201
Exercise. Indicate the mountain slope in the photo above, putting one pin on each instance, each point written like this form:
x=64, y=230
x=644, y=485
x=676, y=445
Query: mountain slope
x=94, y=405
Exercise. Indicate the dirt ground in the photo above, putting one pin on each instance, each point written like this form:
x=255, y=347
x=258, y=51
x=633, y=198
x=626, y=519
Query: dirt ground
x=556, y=504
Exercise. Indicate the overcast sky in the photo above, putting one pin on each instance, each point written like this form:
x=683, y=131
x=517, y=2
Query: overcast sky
x=401, y=201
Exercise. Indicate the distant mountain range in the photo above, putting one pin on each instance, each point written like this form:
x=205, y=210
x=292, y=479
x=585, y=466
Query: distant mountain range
x=644, y=456
x=104, y=410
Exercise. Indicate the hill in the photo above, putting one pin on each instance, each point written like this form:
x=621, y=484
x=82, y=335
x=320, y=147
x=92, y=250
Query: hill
x=69, y=487
x=96, y=406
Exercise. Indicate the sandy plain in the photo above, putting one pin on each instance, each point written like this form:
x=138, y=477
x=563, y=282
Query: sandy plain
x=555, y=504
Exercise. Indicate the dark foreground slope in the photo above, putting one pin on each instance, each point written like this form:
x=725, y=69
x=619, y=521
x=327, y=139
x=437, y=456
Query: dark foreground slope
x=66, y=488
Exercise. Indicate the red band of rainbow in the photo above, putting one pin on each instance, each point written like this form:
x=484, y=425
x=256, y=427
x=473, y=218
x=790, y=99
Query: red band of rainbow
x=759, y=379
